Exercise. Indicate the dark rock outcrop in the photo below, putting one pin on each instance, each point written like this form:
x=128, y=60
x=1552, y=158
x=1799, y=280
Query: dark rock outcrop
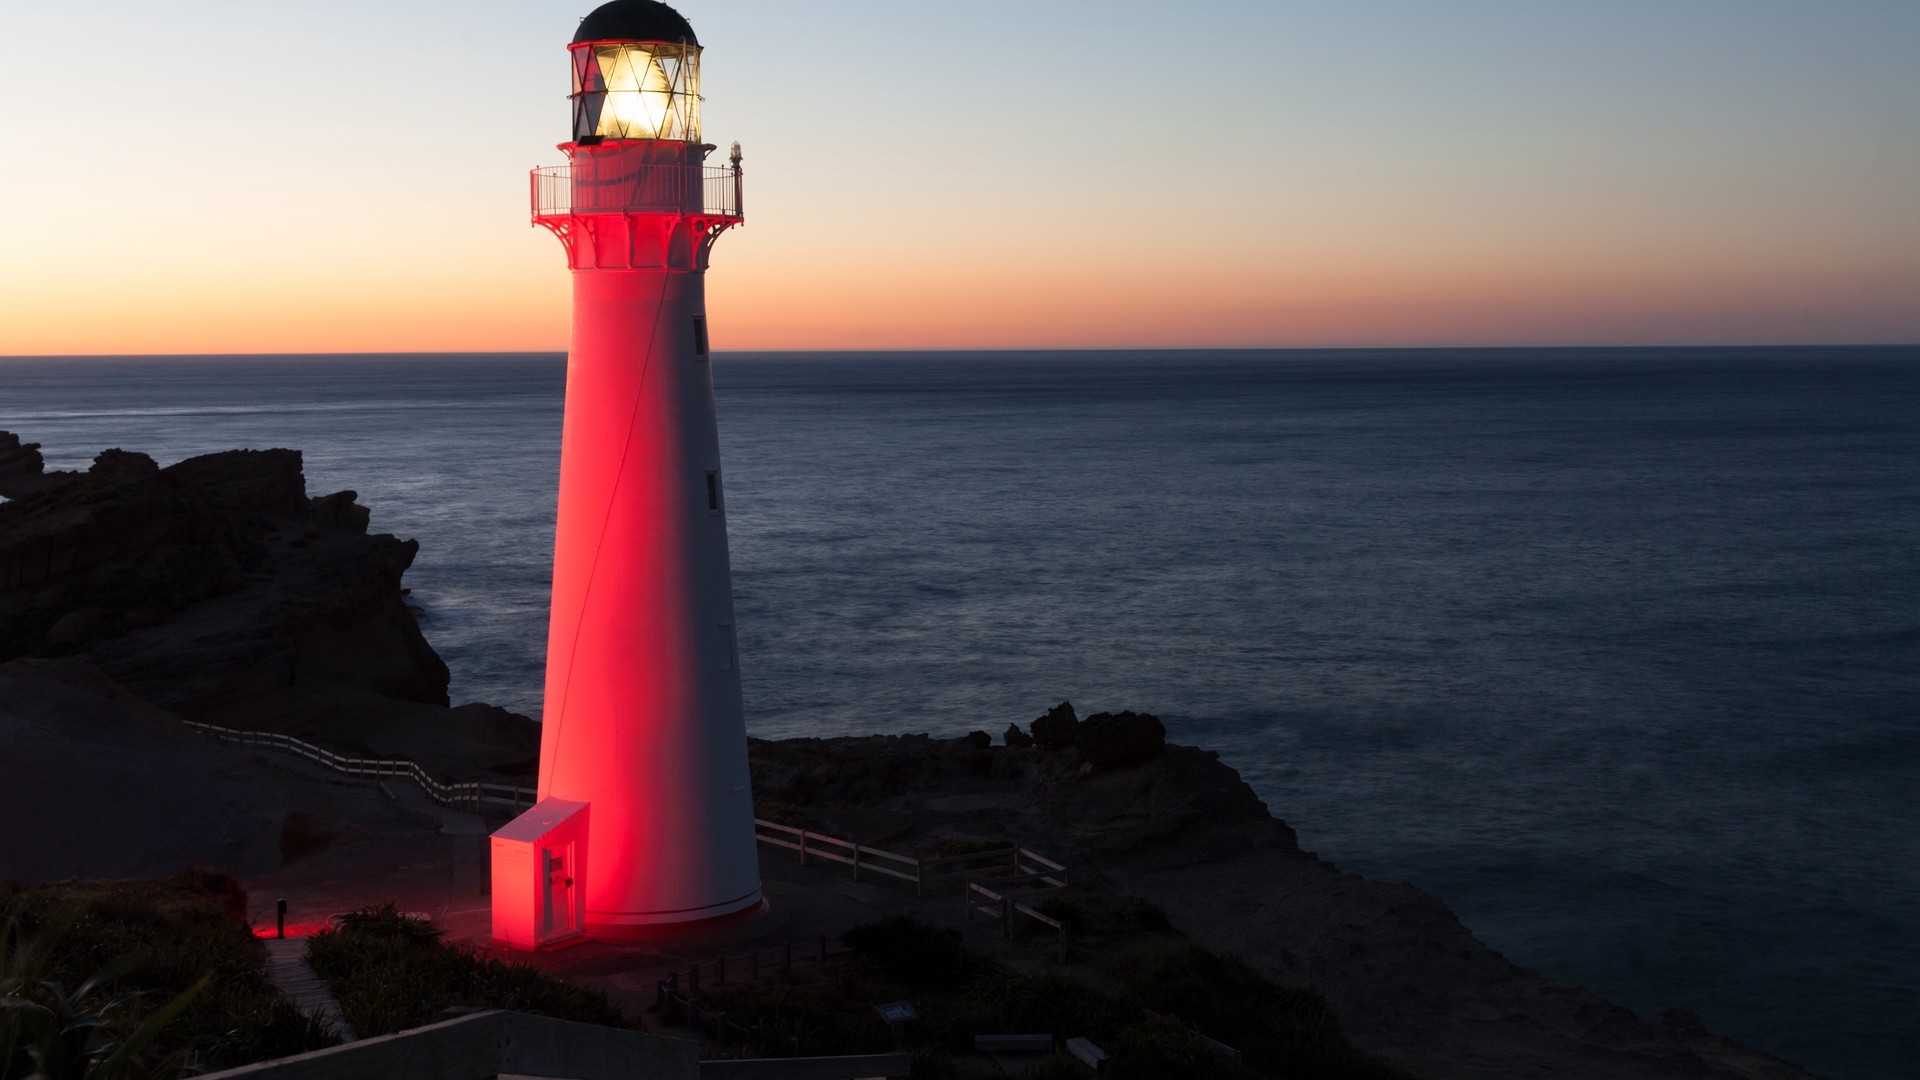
x=1016, y=738
x=1055, y=729
x=1407, y=980
x=1126, y=738
x=23, y=470
x=215, y=588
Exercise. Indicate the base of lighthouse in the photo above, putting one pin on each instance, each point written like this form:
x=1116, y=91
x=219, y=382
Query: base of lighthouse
x=675, y=924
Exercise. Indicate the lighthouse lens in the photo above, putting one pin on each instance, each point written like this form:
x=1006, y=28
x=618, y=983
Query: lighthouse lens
x=637, y=91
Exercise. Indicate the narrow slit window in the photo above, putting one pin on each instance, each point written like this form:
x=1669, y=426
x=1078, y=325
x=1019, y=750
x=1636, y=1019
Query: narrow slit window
x=713, y=492
x=728, y=659
x=700, y=336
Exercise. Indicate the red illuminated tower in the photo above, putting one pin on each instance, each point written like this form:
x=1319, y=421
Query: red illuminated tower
x=646, y=815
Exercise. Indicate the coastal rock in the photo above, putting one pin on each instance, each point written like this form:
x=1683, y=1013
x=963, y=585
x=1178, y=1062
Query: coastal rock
x=339, y=511
x=216, y=589
x=1015, y=738
x=1055, y=729
x=1408, y=982
x=1127, y=738
x=23, y=470
x=979, y=740
x=117, y=464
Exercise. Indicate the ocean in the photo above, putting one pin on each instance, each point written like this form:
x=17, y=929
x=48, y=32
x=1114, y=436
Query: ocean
x=1617, y=651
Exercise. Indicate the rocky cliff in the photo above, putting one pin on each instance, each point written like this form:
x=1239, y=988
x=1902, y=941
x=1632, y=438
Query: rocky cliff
x=1176, y=825
x=217, y=589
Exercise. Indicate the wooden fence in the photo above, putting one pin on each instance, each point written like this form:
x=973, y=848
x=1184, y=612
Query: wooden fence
x=1009, y=861
x=683, y=994
x=472, y=796
x=996, y=897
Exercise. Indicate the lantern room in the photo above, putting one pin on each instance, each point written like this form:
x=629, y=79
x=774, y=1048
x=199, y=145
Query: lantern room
x=636, y=74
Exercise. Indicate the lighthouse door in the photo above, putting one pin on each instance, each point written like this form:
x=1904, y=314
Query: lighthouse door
x=557, y=891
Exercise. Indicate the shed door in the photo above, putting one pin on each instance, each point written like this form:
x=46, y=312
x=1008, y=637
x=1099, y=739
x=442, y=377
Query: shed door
x=556, y=899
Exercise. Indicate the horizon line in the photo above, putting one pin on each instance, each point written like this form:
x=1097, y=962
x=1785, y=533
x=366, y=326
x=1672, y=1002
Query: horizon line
x=1585, y=347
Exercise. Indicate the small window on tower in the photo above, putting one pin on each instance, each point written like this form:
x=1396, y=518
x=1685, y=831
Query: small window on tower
x=728, y=659
x=700, y=335
x=713, y=492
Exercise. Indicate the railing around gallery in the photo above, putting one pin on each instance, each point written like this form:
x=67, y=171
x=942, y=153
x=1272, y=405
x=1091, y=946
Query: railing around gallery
x=559, y=190
x=472, y=796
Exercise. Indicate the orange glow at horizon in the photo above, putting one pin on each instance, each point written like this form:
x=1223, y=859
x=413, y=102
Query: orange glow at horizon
x=800, y=304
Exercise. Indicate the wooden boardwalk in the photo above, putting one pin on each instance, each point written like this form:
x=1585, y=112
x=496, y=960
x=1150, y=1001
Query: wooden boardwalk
x=287, y=969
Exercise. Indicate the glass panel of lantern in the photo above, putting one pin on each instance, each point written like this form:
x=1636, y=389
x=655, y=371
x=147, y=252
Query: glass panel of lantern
x=589, y=92
x=637, y=91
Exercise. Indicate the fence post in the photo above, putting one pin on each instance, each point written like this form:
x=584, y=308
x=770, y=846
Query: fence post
x=693, y=981
x=720, y=972
x=803, y=847
x=856, y=861
x=1006, y=915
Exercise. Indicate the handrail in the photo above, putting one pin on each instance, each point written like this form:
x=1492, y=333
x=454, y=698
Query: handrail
x=471, y=796
x=1014, y=858
x=1003, y=905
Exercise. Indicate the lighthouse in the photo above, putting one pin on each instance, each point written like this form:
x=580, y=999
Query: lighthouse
x=644, y=821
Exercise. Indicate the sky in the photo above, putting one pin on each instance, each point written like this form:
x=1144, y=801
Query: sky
x=207, y=176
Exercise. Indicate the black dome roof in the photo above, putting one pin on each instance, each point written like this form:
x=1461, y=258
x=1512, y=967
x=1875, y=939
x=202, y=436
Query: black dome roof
x=634, y=20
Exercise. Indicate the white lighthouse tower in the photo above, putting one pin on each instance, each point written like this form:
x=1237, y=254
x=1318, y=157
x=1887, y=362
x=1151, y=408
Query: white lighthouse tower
x=645, y=819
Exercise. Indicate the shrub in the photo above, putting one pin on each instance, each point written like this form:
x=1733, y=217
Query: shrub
x=144, y=943
x=914, y=953
x=1285, y=1029
x=390, y=972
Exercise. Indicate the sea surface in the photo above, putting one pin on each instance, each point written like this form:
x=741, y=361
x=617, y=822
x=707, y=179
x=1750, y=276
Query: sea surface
x=1616, y=651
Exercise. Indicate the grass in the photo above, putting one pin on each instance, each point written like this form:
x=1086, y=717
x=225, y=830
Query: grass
x=1150, y=1003
x=390, y=973
x=144, y=944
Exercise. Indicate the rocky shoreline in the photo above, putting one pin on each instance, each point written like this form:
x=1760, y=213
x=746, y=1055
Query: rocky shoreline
x=215, y=589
